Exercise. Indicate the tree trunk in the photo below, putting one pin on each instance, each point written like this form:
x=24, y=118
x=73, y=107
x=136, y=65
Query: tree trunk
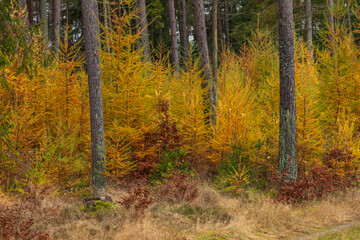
x=96, y=105
x=331, y=21
x=144, y=40
x=25, y=17
x=57, y=25
x=227, y=30
x=287, y=133
x=349, y=15
x=309, y=27
x=183, y=32
x=201, y=39
x=30, y=7
x=220, y=30
x=214, y=84
x=44, y=19
x=174, y=42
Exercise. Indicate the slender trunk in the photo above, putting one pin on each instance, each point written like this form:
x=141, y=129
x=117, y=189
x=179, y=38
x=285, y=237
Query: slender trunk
x=174, y=42
x=349, y=14
x=287, y=131
x=227, y=30
x=183, y=32
x=144, y=41
x=30, y=7
x=220, y=30
x=44, y=19
x=57, y=25
x=309, y=27
x=96, y=105
x=201, y=39
x=214, y=84
x=26, y=14
x=331, y=21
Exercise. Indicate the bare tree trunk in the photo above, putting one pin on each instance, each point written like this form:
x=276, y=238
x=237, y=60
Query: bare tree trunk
x=214, y=84
x=44, y=19
x=201, y=39
x=174, y=42
x=57, y=25
x=309, y=37
x=183, y=32
x=25, y=17
x=349, y=15
x=220, y=30
x=287, y=131
x=96, y=105
x=331, y=21
x=144, y=41
x=227, y=30
x=30, y=6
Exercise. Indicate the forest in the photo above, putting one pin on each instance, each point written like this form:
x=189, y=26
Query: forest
x=176, y=119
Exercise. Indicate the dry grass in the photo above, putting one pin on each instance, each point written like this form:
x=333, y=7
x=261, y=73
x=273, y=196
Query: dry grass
x=211, y=216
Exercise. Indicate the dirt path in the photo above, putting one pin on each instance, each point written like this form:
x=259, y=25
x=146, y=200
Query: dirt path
x=332, y=230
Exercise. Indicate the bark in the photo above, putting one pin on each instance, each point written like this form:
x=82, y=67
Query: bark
x=144, y=40
x=44, y=19
x=201, y=39
x=349, y=15
x=331, y=21
x=25, y=17
x=30, y=7
x=214, y=85
x=227, y=30
x=309, y=37
x=287, y=131
x=220, y=30
x=96, y=105
x=174, y=42
x=183, y=32
x=57, y=25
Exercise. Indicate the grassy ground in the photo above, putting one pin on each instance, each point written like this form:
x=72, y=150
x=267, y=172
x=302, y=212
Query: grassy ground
x=211, y=216
x=350, y=234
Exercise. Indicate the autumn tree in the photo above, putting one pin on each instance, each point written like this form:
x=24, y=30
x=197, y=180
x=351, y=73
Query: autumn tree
x=287, y=131
x=96, y=105
x=57, y=24
x=143, y=28
x=174, y=41
x=308, y=19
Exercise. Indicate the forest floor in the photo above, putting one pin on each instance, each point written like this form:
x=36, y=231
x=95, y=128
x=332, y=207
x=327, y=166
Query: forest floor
x=211, y=216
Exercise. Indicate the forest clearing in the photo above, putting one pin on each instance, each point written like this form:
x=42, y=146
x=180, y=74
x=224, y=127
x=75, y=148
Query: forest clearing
x=204, y=119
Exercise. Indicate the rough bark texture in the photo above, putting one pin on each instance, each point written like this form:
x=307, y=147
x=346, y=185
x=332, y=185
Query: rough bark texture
x=201, y=39
x=214, y=84
x=227, y=29
x=96, y=105
x=30, y=7
x=309, y=37
x=287, y=133
x=44, y=19
x=331, y=20
x=144, y=41
x=183, y=32
x=174, y=42
x=57, y=22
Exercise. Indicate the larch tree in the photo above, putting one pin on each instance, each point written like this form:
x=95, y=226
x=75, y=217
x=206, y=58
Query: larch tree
x=57, y=24
x=287, y=131
x=214, y=84
x=174, y=41
x=143, y=28
x=309, y=37
x=89, y=14
x=22, y=7
x=227, y=28
x=44, y=19
x=201, y=40
x=331, y=20
x=30, y=8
